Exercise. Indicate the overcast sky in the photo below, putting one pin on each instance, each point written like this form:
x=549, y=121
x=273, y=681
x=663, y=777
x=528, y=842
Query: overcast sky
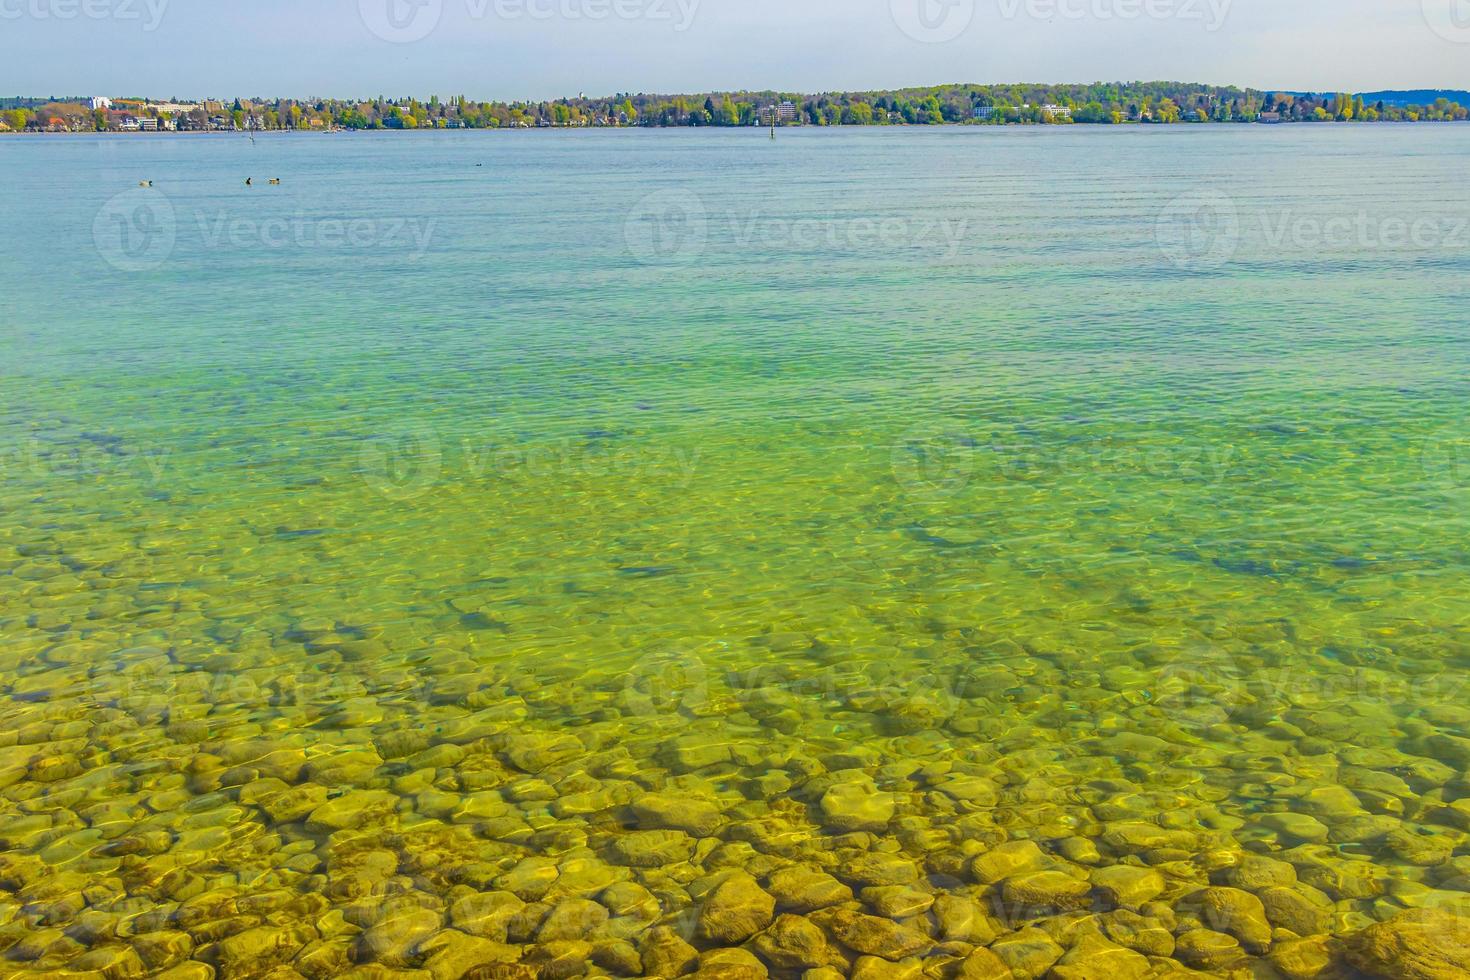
x=515, y=49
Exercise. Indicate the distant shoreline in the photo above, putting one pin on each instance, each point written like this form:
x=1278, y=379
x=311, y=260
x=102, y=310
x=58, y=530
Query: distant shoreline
x=1102, y=103
x=751, y=130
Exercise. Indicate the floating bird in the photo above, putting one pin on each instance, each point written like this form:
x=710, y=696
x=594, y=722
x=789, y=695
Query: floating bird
x=249, y=181
x=145, y=183
x=275, y=180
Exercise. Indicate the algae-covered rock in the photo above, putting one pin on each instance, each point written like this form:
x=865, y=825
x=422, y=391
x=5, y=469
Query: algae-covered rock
x=393, y=940
x=897, y=901
x=353, y=809
x=1424, y=849
x=1255, y=872
x=531, y=878
x=630, y=899
x=1054, y=891
x=1296, y=827
x=691, y=753
x=1304, y=959
x=618, y=957
x=485, y=914
x=1206, y=949
x=857, y=806
x=1424, y=944
x=1006, y=860
x=962, y=919
x=666, y=954
x=163, y=949
x=802, y=889
x=699, y=818
x=534, y=752
x=111, y=962
x=575, y=918
x=1028, y=953
x=293, y=803
x=651, y=848
x=324, y=959
x=877, y=968
x=1236, y=913
x=1302, y=909
x=872, y=935
x=451, y=954
x=1097, y=959
x=1143, y=934
x=262, y=947
x=1131, y=837
x=794, y=943
x=1125, y=886
x=559, y=959
x=737, y=909
x=729, y=964
x=982, y=964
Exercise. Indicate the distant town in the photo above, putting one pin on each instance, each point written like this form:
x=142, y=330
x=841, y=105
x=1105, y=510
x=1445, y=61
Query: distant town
x=1119, y=103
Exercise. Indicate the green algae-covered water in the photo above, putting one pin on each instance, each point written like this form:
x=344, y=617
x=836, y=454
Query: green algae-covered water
x=963, y=552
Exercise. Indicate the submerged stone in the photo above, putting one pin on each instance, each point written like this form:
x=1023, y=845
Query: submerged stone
x=737, y=909
x=1423, y=944
x=857, y=806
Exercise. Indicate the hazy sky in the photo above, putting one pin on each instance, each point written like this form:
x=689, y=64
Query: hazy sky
x=511, y=49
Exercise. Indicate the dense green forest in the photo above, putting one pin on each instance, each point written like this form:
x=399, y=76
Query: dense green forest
x=1115, y=103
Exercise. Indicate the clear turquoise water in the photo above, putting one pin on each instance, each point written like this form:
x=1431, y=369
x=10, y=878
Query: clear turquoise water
x=969, y=450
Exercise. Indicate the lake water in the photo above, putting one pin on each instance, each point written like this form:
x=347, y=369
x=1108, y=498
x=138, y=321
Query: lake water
x=529, y=554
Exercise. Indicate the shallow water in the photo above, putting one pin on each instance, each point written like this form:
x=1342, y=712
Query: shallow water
x=373, y=543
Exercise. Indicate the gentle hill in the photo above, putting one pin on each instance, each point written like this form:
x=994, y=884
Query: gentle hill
x=1402, y=97
x=1420, y=96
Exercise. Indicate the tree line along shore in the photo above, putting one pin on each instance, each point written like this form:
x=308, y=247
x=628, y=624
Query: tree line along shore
x=1155, y=103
